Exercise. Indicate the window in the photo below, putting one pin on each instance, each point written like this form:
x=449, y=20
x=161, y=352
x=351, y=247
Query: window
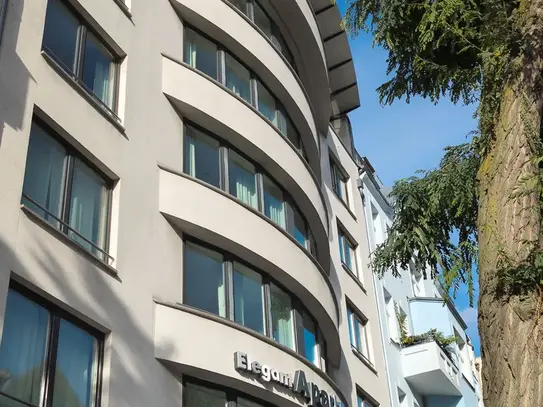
x=219, y=283
x=80, y=52
x=339, y=182
x=205, y=158
x=274, y=202
x=38, y=342
x=204, y=285
x=197, y=393
x=206, y=56
x=363, y=401
x=416, y=281
x=378, y=234
x=392, y=319
x=201, y=53
x=358, y=334
x=62, y=189
x=248, y=298
x=242, y=176
x=347, y=252
x=282, y=317
x=3, y=10
x=202, y=158
x=242, y=5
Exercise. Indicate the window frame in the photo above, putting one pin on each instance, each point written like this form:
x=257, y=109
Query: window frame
x=224, y=152
x=55, y=315
x=344, y=238
x=77, y=72
x=64, y=227
x=338, y=173
x=222, y=51
x=355, y=318
x=364, y=401
x=296, y=304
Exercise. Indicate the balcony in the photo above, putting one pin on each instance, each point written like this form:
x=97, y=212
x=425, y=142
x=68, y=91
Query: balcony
x=430, y=371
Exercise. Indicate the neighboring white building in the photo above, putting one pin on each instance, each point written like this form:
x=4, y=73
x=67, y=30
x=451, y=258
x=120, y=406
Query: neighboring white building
x=180, y=224
x=420, y=375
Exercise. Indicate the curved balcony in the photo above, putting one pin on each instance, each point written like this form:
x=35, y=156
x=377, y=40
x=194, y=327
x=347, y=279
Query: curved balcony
x=205, y=102
x=182, y=350
x=216, y=217
x=223, y=22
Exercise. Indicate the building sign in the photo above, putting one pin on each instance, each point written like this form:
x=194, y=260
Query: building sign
x=298, y=383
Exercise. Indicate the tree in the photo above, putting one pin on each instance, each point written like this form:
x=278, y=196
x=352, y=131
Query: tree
x=487, y=192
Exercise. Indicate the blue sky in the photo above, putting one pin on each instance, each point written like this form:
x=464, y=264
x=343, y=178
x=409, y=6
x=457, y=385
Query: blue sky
x=403, y=138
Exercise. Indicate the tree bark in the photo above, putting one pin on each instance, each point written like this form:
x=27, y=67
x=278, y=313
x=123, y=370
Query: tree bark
x=510, y=325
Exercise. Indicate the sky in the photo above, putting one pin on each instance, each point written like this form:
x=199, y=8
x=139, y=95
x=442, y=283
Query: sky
x=400, y=139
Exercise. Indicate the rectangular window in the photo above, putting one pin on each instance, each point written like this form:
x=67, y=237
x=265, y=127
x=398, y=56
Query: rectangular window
x=300, y=228
x=285, y=126
x=266, y=103
x=198, y=396
x=274, y=202
x=66, y=192
x=347, y=252
x=310, y=339
x=248, y=298
x=282, y=317
x=202, y=158
x=392, y=319
x=204, y=283
x=339, y=182
x=80, y=52
x=242, y=179
x=262, y=20
x=362, y=401
x=241, y=5
x=200, y=53
x=39, y=343
x=238, y=78
x=357, y=333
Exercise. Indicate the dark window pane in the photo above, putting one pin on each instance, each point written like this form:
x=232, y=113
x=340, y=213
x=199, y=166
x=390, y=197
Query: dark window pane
x=88, y=207
x=312, y=244
x=274, y=203
x=99, y=70
x=202, y=157
x=200, y=53
x=266, y=103
x=248, y=304
x=310, y=339
x=285, y=126
x=60, y=33
x=300, y=228
x=242, y=175
x=23, y=350
x=281, y=315
x=262, y=20
x=240, y=4
x=76, y=368
x=238, y=78
x=199, y=396
x=44, y=174
x=204, y=280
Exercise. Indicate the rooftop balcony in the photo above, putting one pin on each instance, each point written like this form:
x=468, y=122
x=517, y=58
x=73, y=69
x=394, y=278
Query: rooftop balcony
x=430, y=371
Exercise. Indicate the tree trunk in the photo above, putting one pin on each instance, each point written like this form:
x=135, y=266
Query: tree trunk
x=509, y=324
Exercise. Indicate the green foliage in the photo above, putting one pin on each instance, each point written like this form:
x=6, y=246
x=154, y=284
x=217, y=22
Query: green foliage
x=429, y=209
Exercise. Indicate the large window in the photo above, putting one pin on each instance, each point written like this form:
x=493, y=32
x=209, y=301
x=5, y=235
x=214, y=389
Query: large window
x=260, y=18
x=208, y=57
x=347, y=252
x=197, y=393
x=363, y=401
x=80, y=52
x=215, y=162
x=39, y=343
x=64, y=190
x=358, y=333
x=219, y=283
x=339, y=181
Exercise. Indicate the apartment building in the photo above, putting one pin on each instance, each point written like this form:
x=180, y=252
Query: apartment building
x=421, y=372
x=180, y=221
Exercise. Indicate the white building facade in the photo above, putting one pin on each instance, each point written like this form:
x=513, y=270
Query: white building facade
x=180, y=223
x=424, y=374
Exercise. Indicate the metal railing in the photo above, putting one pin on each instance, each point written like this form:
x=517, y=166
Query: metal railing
x=66, y=226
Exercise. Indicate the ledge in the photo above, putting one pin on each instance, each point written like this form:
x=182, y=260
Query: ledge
x=33, y=216
x=257, y=335
x=364, y=360
x=83, y=92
